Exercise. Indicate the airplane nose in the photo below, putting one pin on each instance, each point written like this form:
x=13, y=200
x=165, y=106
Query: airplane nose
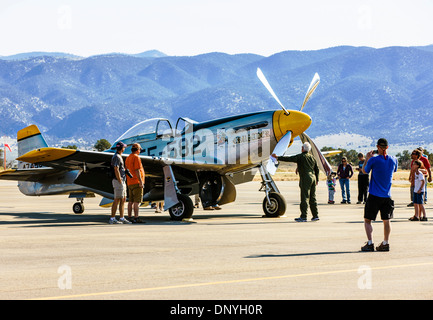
x=295, y=121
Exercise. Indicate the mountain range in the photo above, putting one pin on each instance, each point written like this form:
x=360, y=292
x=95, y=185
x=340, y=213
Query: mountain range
x=364, y=91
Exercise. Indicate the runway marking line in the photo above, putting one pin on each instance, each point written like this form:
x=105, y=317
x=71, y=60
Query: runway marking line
x=191, y=285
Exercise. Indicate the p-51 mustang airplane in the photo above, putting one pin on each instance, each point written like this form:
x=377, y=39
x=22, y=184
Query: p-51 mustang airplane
x=207, y=158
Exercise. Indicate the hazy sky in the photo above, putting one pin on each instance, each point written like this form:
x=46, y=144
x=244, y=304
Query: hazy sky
x=190, y=27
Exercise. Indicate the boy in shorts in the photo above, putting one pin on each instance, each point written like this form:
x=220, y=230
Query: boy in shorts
x=382, y=167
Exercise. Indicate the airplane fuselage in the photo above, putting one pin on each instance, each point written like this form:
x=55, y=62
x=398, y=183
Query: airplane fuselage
x=233, y=144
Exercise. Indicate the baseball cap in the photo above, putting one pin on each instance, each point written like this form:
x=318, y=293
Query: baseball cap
x=382, y=142
x=120, y=144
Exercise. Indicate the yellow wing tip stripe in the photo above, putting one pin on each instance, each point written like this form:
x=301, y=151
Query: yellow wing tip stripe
x=45, y=154
x=7, y=171
x=27, y=132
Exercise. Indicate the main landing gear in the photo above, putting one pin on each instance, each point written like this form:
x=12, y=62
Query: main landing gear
x=78, y=207
x=274, y=204
x=183, y=209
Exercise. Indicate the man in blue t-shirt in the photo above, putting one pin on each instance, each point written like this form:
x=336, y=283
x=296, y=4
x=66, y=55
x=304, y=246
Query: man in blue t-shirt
x=382, y=167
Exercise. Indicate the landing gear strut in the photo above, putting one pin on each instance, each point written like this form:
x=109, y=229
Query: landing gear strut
x=274, y=204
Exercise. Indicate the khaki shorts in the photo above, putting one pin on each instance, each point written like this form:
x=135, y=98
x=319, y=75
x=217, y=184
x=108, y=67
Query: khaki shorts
x=119, y=189
x=135, y=193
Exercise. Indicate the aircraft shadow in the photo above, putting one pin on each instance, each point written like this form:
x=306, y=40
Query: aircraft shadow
x=299, y=254
x=50, y=219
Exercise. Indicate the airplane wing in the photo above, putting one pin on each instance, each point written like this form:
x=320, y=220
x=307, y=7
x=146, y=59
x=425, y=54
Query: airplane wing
x=71, y=159
x=95, y=166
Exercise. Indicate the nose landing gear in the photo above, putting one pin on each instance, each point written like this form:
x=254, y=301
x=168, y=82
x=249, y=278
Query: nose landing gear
x=274, y=204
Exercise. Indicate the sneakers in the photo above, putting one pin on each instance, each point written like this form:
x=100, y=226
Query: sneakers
x=370, y=247
x=124, y=221
x=114, y=221
x=305, y=220
x=383, y=247
x=120, y=221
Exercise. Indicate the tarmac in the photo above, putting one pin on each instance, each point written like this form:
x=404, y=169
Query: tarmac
x=47, y=252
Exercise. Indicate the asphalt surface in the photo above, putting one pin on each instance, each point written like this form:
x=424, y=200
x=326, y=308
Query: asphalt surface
x=47, y=252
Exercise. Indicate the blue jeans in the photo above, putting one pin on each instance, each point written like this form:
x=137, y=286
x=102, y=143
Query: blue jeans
x=344, y=184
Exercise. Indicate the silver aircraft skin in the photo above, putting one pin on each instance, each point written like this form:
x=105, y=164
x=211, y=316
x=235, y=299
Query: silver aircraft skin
x=207, y=158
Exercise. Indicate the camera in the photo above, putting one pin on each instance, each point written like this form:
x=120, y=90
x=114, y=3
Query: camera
x=376, y=151
x=129, y=174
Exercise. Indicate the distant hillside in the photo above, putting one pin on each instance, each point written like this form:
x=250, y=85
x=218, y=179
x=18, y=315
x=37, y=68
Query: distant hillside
x=364, y=91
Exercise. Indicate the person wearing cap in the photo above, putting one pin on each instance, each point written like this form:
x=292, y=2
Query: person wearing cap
x=135, y=183
x=382, y=167
x=119, y=185
x=308, y=180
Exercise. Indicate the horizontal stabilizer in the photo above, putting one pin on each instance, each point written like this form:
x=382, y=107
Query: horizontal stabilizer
x=45, y=155
x=33, y=175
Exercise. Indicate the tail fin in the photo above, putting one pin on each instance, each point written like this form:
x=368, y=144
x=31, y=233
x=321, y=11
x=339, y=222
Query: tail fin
x=29, y=139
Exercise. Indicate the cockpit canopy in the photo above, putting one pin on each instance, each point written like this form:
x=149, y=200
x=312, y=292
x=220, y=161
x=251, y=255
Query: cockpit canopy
x=153, y=129
x=146, y=130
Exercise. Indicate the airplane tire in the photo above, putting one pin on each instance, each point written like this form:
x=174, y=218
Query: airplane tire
x=78, y=208
x=277, y=207
x=183, y=210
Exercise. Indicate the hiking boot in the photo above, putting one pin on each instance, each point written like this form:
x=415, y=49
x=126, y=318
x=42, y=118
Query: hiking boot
x=383, y=247
x=368, y=247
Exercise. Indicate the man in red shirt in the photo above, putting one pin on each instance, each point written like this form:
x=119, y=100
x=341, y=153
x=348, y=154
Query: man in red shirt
x=136, y=183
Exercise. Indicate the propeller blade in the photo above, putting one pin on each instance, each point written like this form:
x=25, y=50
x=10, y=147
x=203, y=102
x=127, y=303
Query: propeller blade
x=265, y=82
x=279, y=150
x=313, y=85
x=322, y=163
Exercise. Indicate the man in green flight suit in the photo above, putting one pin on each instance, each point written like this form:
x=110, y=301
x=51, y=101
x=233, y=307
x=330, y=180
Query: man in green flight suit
x=308, y=180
